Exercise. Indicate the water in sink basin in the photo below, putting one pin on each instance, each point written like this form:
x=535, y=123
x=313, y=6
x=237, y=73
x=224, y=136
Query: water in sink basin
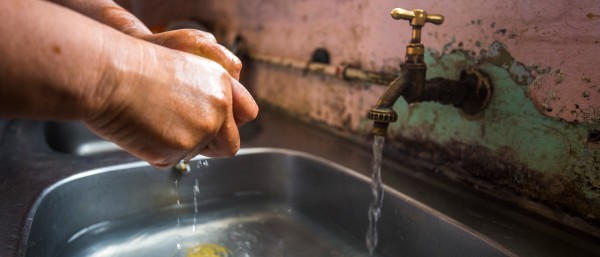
x=241, y=226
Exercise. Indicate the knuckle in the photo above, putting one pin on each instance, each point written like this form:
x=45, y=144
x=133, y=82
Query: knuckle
x=209, y=36
x=221, y=105
x=234, y=62
x=202, y=34
x=237, y=65
x=209, y=126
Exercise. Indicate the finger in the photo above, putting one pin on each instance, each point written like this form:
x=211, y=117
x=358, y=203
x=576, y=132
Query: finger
x=203, y=34
x=222, y=56
x=245, y=108
x=234, y=63
x=199, y=43
x=226, y=143
x=206, y=45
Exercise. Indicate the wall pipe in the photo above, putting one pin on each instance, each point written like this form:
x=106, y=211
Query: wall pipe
x=344, y=72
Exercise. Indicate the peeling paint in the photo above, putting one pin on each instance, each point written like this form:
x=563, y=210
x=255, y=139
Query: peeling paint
x=537, y=79
x=511, y=145
x=508, y=121
x=498, y=54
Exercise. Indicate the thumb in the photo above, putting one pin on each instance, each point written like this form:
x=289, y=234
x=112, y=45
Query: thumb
x=245, y=108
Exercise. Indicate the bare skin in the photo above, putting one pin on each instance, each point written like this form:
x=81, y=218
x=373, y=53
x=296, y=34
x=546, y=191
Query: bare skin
x=159, y=104
x=188, y=40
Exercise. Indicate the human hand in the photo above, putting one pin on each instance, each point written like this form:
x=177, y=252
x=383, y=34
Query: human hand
x=174, y=106
x=159, y=104
x=198, y=43
x=203, y=44
x=188, y=40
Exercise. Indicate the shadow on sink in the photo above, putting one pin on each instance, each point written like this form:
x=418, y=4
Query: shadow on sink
x=262, y=202
x=75, y=138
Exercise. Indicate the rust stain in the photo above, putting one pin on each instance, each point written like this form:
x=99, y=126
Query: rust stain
x=592, y=16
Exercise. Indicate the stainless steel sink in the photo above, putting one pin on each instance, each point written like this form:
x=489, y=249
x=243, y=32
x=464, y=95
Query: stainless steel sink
x=263, y=202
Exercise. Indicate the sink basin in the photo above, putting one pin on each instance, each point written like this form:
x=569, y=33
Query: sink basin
x=263, y=202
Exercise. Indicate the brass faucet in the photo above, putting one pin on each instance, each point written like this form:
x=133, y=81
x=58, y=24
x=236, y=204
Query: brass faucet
x=471, y=93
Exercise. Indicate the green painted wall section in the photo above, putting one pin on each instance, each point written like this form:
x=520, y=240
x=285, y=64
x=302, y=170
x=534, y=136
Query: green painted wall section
x=511, y=123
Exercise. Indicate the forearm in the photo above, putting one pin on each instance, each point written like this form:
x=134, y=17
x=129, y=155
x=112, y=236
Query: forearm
x=192, y=41
x=110, y=13
x=51, y=65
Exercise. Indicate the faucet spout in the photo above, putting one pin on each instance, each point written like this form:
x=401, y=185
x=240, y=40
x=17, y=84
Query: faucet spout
x=383, y=113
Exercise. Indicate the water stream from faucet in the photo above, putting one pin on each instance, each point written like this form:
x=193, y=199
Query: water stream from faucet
x=178, y=221
x=377, y=191
x=196, y=192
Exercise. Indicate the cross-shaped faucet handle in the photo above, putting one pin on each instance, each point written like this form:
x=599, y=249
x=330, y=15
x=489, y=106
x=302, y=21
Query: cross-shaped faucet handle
x=417, y=18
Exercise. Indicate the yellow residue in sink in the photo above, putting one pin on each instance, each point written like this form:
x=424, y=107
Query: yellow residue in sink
x=208, y=250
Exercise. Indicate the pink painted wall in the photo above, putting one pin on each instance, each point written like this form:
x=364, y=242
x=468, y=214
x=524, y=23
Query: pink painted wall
x=560, y=39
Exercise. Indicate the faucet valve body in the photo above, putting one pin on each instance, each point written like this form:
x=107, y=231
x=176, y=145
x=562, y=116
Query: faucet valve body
x=471, y=93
